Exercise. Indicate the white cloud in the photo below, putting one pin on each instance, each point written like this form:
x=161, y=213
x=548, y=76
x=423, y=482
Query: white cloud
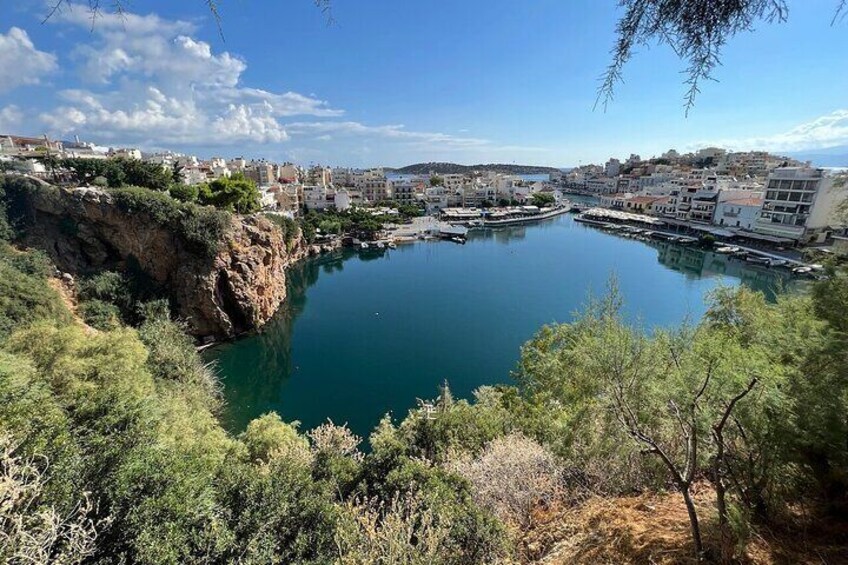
x=10, y=118
x=149, y=81
x=826, y=131
x=20, y=62
x=394, y=132
x=146, y=78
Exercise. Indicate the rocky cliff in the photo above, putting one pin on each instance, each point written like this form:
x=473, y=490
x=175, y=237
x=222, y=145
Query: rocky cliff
x=224, y=288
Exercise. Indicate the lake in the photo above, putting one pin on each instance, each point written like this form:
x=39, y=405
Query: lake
x=362, y=335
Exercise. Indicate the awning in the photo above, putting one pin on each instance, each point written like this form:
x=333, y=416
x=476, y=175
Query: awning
x=713, y=230
x=764, y=237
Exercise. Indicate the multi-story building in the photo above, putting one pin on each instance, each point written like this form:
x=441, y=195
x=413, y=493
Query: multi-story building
x=288, y=173
x=406, y=191
x=452, y=181
x=261, y=172
x=289, y=198
x=800, y=203
x=373, y=185
x=321, y=176
x=342, y=176
x=601, y=185
x=612, y=168
x=742, y=213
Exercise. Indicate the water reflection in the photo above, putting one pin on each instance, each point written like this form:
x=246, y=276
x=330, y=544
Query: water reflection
x=698, y=263
x=267, y=362
x=383, y=334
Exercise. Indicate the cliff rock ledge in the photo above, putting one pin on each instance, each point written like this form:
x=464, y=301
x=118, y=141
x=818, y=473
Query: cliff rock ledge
x=224, y=288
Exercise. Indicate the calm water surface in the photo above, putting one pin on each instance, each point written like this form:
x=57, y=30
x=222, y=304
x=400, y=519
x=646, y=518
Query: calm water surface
x=362, y=335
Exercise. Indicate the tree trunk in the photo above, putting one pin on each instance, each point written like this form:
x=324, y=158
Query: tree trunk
x=718, y=482
x=693, y=521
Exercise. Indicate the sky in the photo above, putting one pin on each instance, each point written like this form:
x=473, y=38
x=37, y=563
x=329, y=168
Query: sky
x=379, y=82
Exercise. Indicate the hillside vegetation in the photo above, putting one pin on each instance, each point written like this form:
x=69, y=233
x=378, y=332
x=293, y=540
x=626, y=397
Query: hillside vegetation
x=729, y=430
x=453, y=168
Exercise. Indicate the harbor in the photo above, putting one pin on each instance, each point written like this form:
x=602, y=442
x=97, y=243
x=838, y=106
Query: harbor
x=639, y=226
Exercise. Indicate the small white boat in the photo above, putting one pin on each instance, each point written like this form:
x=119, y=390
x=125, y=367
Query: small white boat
x=802, y=270
x=381, y=245
x=392, y=245
x=777, y=262
x=363, y=245
x=725, y=249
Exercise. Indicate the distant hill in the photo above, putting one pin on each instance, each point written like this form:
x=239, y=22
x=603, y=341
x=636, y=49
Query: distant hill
x=451, y=168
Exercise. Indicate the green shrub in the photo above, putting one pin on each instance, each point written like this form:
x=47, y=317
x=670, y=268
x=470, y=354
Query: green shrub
x=184, y=192
x=108, y=286
x=25, y=298
x=288, y=226
x=31, y=262
x=203, y=229
x=101, y=315
x=173, y=356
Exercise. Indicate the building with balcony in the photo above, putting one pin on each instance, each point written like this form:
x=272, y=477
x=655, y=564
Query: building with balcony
x=742, y=213
x=800, y=204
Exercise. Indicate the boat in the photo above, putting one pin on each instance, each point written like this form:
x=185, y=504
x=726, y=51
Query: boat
x=458, y=239
x=777, y=262
x=381, y=245
x=363, y=245
x=757, y=260
x=392, y=245
x=802, y=270
x=726, y=249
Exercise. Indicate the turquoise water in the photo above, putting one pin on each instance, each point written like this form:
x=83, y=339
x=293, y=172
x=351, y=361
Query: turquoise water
x=362, y=335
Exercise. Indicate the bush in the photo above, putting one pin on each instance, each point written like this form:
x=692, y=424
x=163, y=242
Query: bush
x=184, y=192
x=174, y=358
x=288, y=226
x=512, y=477
x=31, y=262
x=100, y=315
x=203, y=229
x=25, y=298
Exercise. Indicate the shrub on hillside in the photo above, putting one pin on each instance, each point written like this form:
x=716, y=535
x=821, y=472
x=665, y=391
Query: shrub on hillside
x=100, y=315
x=512, y=476
x=288, y=226
x=25, y=297
x=202, y=228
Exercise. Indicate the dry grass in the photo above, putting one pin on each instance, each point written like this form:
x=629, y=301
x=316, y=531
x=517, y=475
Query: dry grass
x=69, y=298
x=654, y=528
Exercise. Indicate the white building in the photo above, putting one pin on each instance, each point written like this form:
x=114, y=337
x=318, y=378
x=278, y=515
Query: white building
x=800, y=203
x=612, y=168
x=742, y=213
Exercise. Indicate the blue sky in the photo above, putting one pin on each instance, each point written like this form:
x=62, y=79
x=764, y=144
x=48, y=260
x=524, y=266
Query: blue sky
x=391, y=83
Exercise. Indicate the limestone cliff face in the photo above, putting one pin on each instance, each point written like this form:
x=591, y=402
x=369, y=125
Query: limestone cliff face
x=220, y=294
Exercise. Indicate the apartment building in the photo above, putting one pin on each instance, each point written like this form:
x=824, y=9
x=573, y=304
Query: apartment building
x=800, y=203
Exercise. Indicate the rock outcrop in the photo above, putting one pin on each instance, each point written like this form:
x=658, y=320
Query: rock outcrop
x=233, y=289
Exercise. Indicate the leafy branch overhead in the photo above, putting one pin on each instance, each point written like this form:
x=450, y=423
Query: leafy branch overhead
x=696, y=30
